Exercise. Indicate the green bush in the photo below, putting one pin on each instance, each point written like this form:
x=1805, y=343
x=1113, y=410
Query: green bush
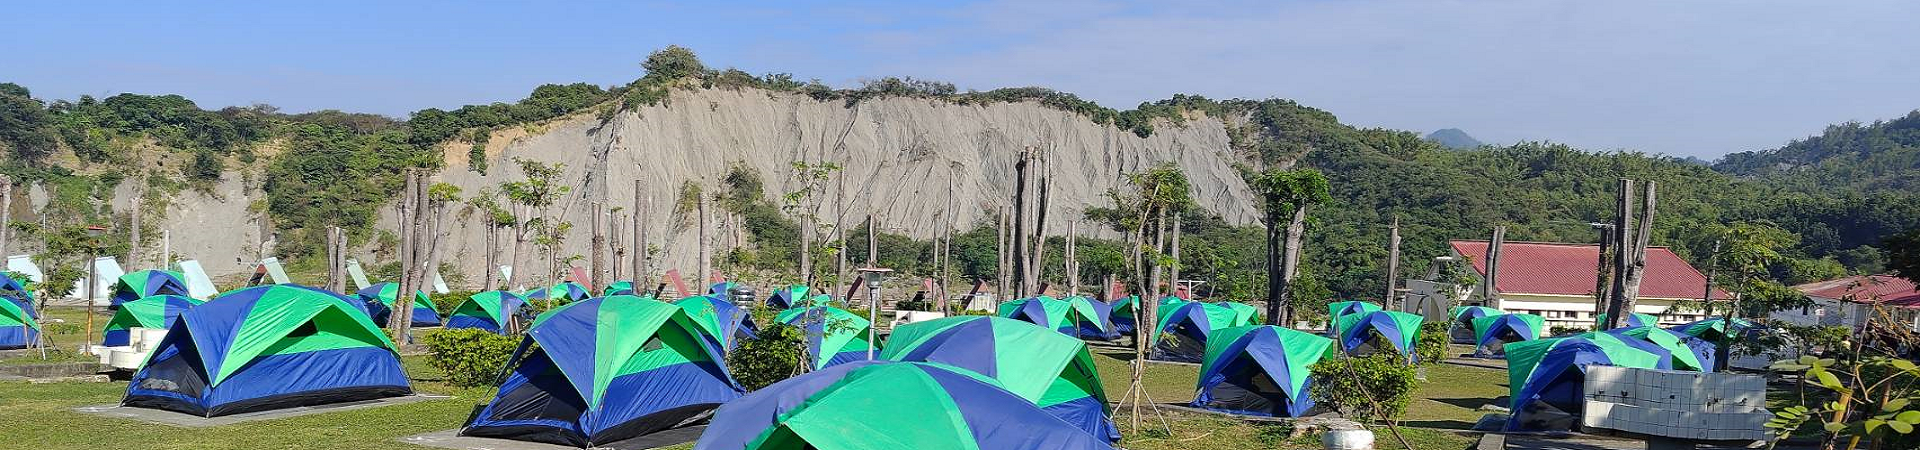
x=470, y=357
x=1563, y=331
x=444, y=303
x=1431, y=348
x=775, y=354
x=1351, y=385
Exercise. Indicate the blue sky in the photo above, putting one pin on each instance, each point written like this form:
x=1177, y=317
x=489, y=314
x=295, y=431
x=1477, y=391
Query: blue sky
x=1697, y=78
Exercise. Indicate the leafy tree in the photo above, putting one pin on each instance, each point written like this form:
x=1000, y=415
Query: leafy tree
x=1287, y=192
x=673, y=62
x=24, y=124
x=1903, y=254
x=532, y=197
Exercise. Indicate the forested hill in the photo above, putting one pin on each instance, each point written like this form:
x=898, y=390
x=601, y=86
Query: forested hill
x=1837, y=194
x=1883, y=156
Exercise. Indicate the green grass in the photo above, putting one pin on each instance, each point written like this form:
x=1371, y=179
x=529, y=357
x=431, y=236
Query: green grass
x=41, y=415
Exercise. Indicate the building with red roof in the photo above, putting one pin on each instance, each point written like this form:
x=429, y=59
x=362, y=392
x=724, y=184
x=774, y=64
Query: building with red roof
x=1557, y=280
x=1850, y=301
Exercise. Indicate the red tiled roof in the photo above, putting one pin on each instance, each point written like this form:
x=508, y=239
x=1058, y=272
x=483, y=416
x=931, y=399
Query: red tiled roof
x=1568, y=269
x=1865, y=289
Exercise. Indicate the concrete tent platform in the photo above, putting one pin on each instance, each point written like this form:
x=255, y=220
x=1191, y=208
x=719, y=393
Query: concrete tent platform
x=179, y=419
x=451, y=439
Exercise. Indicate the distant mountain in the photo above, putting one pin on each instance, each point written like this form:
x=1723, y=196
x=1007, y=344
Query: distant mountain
x=1454, y=138
x=1880, y=157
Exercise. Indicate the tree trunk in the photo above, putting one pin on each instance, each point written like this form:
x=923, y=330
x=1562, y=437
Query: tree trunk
x=1002, y=264
x=1393, y=264
x=1603, y=274
x=597, y=255
x=706, y=255
x=1490, y=289
x=492, y=267
x=6, y=214
x=1637, y=266
x=1276, y=266
x=1071, y=254
x=641, y=272
x=1173, y=271
x=133, y=228
x=1039, y=246
x=1623, y=255
x=873, y=247
x=409, y=211
x=1292, y=260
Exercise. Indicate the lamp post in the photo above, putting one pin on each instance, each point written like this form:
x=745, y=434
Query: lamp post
x=873, y=276
x=93, y=272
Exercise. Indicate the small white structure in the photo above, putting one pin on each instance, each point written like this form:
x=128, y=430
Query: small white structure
x=277, y=273
x=24, y=265
x=1676, y=404
x=198, y=285
x=358, y=275
x=1850, y=301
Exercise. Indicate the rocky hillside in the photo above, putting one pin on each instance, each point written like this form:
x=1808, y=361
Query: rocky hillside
x=905, y=160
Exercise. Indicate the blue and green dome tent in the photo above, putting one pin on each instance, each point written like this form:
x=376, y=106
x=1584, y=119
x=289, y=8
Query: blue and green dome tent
x=884, y=405
x=1098, y=325
x=12, y=290
x=1460, y=327
x=1493, y=333
x=380, y=298
x=1373, y=332
x=1336, y=310
x=621, y=287
x=796, y=296
x=1065, y=316
x=607, y=369
x=834, y=336
x=566, y=291
x=1184, y=329
x=147, y=283
x=1123, y=311
x=1633, y=320
x=1243, y=314
x=1679, y=351
x=158, y=311
x=17, y=327
x=490, y=310
x=1259, y=370
x=1714, y=329
x=720, y=318
x=1053, y=371
x=722, y=288
x=1545, y=376
x=268, y=347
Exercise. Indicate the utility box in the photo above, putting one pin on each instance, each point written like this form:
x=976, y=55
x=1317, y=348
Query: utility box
x=1676, y=404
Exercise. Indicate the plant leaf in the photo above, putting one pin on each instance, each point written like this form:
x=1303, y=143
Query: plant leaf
x=1835, y=427
x=1908, y=417
x=1873, y=424
x=1828, y=380
x=1900, y=427
x=1895, y=405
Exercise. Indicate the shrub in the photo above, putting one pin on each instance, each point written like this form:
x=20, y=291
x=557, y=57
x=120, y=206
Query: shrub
x=775, y=354
x=1351, y=386
x=1563, y=331
x=1431, y=348
x=470, y=357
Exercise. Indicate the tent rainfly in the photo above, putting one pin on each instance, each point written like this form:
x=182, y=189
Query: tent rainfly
x=1259, y=370
x=490, y=310
x=607, y=369
x=1053, y=371
x=17, y=327
x=927, y=406
x=1068, y=317
x=1336, y=310
x=1123, y=312
x=158, y=311
x=566, y=291
x=720, y=318
x=834, y=336
x=1365, y=334
x=147, y=283
x=1184, y=328
x=380, y=298
x=1492, y=333
x=1546, y=376
x=1633, y=320
x=1460, y=329
x=268, y=347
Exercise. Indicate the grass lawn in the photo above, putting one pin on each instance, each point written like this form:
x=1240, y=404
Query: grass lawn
x=41, y=416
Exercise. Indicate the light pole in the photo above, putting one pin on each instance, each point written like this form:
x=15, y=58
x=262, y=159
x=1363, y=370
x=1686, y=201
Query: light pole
x=93, y=272
x=873, y=276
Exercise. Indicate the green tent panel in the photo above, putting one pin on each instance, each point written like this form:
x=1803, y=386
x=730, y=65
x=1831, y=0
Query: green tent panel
x=1336, y=310
x=1243, y=314
x=1633, y=320
x=834, y=335
x=1523, y=358
x=1683, y=356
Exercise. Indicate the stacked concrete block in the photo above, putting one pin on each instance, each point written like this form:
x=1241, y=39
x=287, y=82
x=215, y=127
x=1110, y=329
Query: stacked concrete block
x=1677, y=404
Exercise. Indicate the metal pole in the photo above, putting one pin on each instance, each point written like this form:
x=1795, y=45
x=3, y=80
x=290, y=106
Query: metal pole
x=873, y=317
x=92, y=272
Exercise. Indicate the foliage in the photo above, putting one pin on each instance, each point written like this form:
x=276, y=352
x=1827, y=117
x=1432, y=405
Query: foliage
x=470, y=357
x=24, y=124
x=1851, y=157
x=673, y=62
x=1903, y=254
x=1374, y=387
x=777, y=353
x=1432, y=346
x=1874, y=399
x=333, y=175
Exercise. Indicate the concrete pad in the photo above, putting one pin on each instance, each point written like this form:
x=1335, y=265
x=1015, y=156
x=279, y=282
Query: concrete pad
x=179, y=419
x=451, y=439
x=1589, y=442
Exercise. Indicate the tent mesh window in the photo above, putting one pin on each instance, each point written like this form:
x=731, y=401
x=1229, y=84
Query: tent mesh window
x=1249, y=388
